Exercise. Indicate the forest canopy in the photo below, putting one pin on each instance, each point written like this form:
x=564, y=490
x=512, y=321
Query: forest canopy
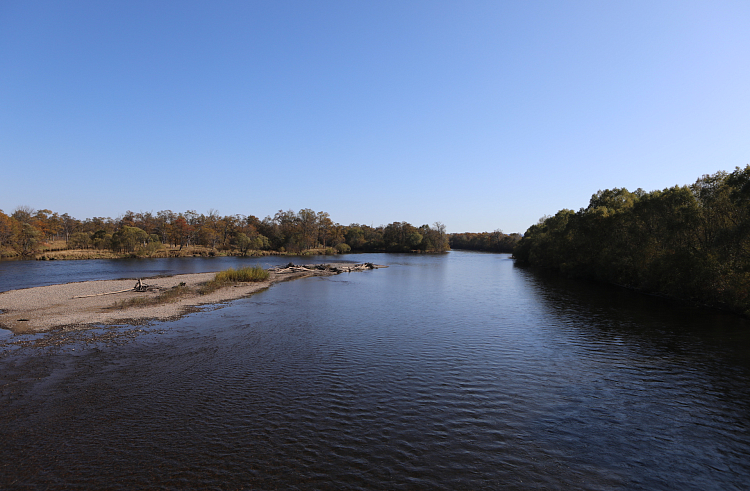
x=495, y=241
x=25, y=232
x=688, y=242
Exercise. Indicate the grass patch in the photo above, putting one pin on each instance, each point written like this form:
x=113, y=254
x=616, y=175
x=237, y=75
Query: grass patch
x=255, y=273
x=81, y=254
x=231, y=275
x=166, y=296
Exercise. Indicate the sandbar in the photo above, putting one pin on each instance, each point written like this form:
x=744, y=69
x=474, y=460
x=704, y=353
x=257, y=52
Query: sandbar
x=39, y=309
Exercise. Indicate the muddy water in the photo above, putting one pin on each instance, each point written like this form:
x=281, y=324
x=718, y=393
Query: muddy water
x=458, y=371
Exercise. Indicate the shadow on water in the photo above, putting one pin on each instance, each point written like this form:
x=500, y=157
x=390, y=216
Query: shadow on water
x=649, y=322
x=650, y=378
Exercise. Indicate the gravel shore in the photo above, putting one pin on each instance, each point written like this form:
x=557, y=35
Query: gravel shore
x=42, y=308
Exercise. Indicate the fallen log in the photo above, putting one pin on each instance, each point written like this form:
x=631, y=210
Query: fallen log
x=100, y=294
x=139, y=287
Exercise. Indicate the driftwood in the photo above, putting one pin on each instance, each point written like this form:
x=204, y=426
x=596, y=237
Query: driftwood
x=294, y=269
x=291, y=268
x=139, y=287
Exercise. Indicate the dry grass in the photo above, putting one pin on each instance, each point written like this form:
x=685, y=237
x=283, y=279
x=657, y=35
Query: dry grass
x=80, y=254
x=8, y=252
x=171, y=295
x=190, y=251
x=231, y=276
x=55, y=245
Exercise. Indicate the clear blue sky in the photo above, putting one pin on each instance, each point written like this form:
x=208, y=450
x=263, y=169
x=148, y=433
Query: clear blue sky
x=481, y=115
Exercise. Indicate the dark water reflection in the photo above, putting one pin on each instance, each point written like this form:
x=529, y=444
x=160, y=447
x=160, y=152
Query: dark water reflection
x=441, y=372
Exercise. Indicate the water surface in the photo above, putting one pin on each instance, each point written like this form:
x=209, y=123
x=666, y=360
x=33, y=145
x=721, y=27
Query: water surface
x=456, y=371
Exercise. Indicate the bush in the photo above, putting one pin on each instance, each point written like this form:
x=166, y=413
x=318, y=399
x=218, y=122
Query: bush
x=343, y=248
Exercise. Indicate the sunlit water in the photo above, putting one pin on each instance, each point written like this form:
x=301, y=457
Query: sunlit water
x=456, y=371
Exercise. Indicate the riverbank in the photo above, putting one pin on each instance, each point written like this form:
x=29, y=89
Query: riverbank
x=112, y=302
x=163, y=252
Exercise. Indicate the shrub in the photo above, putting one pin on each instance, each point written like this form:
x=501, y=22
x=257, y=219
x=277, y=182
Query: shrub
x=343, y=248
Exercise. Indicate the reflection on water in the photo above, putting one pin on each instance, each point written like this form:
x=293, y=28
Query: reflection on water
x=457, y=371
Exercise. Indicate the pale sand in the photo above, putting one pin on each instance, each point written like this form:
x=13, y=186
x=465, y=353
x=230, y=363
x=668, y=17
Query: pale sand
x=47, y=307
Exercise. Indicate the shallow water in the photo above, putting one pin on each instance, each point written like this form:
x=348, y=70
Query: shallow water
x=456, y=371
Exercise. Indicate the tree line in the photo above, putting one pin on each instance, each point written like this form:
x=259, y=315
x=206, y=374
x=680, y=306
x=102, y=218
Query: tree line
x=495, y=241
x=689, y=242
x=24, y=232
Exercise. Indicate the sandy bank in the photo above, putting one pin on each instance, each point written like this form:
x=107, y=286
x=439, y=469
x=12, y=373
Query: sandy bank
x=42, y=308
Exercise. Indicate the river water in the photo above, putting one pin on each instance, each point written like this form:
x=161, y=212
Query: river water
x=453, y=371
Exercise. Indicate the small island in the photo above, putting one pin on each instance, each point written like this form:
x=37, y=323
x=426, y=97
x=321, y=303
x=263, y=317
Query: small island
x=136, y=301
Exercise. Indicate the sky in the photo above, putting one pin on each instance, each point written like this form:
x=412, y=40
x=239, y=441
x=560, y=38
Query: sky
x=480, y=115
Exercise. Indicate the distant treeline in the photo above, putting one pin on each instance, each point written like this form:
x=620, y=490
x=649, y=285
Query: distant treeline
x=495, y=241
x=25, y=231
x=689, y=242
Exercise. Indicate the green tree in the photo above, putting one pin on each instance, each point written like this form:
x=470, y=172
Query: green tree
x=129, y=239
x=28, y=239
x=79, y=240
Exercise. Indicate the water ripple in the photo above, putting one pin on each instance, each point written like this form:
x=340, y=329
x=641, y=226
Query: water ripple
x=459, y=372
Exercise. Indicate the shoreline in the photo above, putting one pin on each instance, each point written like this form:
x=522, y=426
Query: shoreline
x=78, y=305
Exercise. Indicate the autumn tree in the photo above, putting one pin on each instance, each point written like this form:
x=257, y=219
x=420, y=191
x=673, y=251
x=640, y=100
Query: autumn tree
x=181, y=231
x=8, y=230
x=23, y=214
x=163, y=224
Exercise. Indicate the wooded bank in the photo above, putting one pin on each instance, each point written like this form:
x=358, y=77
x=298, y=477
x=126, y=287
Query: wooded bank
x=30, y=233
x=687, y=242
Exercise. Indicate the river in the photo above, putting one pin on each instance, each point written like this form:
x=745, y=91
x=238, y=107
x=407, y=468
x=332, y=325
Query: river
x=452, y=371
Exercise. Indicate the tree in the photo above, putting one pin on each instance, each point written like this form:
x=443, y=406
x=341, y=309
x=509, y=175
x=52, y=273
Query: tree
x=68, y=225
x=129, y=239
x=23, y=214
x=287, y=230
x=325, y=226
x=28, y=239
x=79, y=240
x=163, y=224
x=355, y=236
x=441, y=242
x=307, y=228
x=8, y=230
x=244, y=243
x=401, y=237
x=101, y=239
x=181, y=231
x=210, y=232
